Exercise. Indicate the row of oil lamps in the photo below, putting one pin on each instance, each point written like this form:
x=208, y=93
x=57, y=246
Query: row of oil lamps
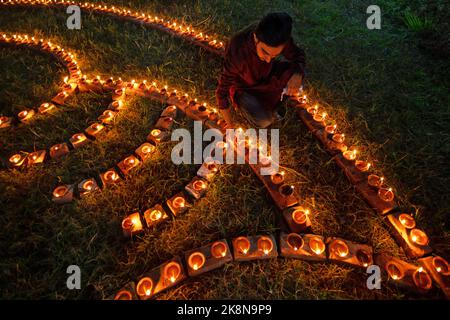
x=68, y=88
x=351, y=153
x=308, y=247
x=76, y=141
x=174, y=26
x=413, y=240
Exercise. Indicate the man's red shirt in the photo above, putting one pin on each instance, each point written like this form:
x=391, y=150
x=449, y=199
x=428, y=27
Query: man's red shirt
x=243, y=70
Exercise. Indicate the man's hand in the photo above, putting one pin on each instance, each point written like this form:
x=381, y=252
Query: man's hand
x=228, y=117
x=294, y=84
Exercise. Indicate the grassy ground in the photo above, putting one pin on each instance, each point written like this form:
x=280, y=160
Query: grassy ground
x=385, y=93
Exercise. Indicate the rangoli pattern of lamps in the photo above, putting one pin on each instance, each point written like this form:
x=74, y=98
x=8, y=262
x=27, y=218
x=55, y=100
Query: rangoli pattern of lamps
x=419, y=278
x=414, y=241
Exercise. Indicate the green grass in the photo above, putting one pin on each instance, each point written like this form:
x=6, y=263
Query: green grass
x=382, y=90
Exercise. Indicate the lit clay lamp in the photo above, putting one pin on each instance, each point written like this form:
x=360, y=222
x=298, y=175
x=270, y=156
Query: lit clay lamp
x=152, y=216
x=242, y=245
x=46, y=107
x=156, y=135
x=107, y=116
x=277, y=178
x=17, y=160
x=316, y=245
x=109, y=177
x=94, y=129
x=363, y=257
x=339, y=248
x=218, y=250
x=362, y=165
x=78, y=140
x=320, y=118
x=63, y=194
x=87, y=186
x=421, y=279
x=418, y=237
x=5, y=121
x=208, y=169
x=330, y=129
x=177, y=205
x=172, y=271
x=394, y=271
x=145, y=151
x=299, y=215
x=286, y=190
x=127, y=164
x=143, y=86
x=60, y=97
x=375, y=181
x=440, y=265
x=36, y=157
x=313, y=110
x=25, y=115
x=178, y=202
x=131, y=224
x=386, y=194
x=144, y=288
x=213, y=116
x=294, y=241
x=350, y=154
x=118, y=94
x=109, y=83
x=407, y=221
x=265, y=245
x=201, y=110
x=196, y=260
x=199, y=185
x=338, y=137
x=123, y=295
x=59, y=150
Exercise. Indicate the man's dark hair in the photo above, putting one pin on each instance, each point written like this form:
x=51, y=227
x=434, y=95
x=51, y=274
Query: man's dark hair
x=274, y=29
